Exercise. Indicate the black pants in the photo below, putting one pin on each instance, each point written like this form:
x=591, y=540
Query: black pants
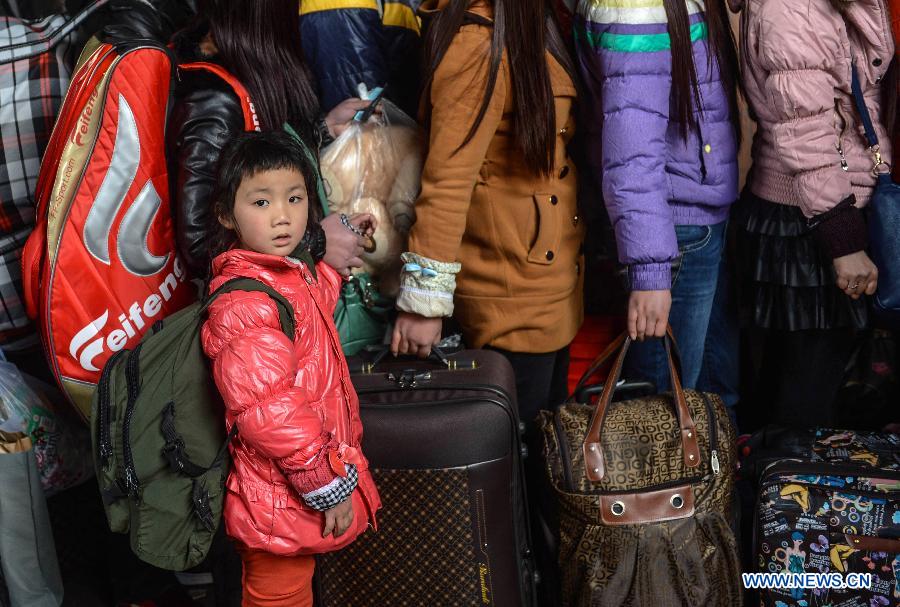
x=801, y=374
x=540, y=384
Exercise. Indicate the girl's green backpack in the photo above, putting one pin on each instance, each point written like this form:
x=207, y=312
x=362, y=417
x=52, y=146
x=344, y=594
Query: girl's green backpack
x=158, y=433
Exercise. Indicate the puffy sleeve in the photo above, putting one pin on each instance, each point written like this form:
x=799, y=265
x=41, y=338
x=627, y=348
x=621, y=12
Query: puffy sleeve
x=629, y=81
x=801, y=59
x=254, y=369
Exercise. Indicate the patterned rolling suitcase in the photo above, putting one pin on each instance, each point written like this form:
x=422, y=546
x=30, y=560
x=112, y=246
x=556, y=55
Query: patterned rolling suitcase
x=443, y=442
x=828, y=503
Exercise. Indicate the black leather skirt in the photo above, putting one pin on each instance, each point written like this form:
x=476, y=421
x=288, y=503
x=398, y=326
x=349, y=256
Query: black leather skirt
x=788, y=282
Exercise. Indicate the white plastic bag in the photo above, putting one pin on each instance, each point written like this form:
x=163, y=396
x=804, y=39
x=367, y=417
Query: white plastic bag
x=62, y=443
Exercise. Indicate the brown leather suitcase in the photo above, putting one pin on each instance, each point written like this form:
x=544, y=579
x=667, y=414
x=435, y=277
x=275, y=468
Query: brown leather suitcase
x=443, y=442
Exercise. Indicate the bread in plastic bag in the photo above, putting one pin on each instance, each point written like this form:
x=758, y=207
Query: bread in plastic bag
x=376, y=167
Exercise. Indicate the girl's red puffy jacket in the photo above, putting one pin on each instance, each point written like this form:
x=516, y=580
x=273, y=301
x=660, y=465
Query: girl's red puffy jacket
x=296, y=411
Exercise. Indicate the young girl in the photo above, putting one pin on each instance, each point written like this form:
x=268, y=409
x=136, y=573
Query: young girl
x=804, y=233
x=299, y=484
x=257, y=42
x=661, y=76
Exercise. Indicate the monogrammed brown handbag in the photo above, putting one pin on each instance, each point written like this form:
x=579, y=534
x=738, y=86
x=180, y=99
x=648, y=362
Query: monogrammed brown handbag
x=644, y=489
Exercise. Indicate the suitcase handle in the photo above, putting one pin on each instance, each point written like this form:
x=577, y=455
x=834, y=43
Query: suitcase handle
x=436, y=356
x=593, y=453
x=641, y=387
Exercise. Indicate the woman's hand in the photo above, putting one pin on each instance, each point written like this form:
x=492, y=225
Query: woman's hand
x=856, y=274
x=343, y=248
x=339, y=118
x=648, y=314
x=338, y=519
x=415, y=334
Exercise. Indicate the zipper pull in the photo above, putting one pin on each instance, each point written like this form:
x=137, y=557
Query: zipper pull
x=714, y=456
x=844, y=164
x=105, y=454
x=131, y=483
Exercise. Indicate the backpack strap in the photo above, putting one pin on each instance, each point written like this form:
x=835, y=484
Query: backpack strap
x=251, y=120
x=285, y=310
x=174, y=450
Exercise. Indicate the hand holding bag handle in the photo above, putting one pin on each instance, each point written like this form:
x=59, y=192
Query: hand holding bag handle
x=593, y=452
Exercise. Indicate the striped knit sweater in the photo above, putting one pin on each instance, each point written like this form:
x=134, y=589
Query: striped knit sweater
x=651, y=178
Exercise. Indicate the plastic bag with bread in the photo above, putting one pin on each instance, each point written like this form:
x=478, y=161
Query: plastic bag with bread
x=376, y=167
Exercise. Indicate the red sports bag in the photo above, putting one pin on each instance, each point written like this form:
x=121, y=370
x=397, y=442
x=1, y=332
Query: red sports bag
x=101, y=266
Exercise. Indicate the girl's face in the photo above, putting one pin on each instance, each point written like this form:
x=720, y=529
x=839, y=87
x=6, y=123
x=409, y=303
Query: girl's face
x=270, y=211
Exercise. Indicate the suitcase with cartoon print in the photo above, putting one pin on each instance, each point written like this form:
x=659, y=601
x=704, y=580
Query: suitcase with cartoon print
x=828, y=502
x=443, y=441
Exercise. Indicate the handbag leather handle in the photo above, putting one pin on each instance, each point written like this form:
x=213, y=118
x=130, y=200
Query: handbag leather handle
x=598, y=362
x=593, y=453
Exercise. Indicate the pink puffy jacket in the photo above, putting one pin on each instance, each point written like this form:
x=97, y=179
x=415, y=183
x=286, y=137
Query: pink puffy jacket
x=796, y=57
x=296, y=411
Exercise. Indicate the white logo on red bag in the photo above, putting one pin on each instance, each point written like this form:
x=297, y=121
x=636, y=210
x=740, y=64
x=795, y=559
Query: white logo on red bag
x=131, y=242
x=85, y=348
x=84, y=121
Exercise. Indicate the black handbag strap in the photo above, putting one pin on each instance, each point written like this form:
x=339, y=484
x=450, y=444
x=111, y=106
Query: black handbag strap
x=861, y=107
x=869, y=127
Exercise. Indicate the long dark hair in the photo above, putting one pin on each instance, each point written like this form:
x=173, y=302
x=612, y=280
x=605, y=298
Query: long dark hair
x=251, y=153
x=259, y=42
x=685, y=86
x=525, y=30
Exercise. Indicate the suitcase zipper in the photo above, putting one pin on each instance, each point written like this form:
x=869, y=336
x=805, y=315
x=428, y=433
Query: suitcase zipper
x=430, y=386
x=691, y=480
x=791, y=465
x=104, y=443
x=564, y=453
x=132, y=484
x=713, y=434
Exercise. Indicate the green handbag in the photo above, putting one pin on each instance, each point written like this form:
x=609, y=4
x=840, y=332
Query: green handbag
x=362, y=313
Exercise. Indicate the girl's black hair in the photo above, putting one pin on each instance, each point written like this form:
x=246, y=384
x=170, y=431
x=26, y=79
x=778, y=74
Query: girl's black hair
x=249, y=154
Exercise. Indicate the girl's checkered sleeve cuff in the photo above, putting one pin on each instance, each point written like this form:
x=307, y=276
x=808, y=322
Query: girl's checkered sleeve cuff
x=335, y=492
x=427, y=286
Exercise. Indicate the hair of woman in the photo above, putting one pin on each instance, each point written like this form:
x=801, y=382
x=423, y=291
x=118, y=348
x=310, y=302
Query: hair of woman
x=259, y=42
x=685, y=93
x=525, y=30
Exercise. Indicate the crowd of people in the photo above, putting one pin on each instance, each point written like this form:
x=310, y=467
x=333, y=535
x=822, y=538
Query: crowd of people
x=536, y=115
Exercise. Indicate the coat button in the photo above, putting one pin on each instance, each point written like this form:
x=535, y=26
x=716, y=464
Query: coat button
x=707, y=148
x=553, y=199
x=550, y=255
x=563, y=172
x=876, y=61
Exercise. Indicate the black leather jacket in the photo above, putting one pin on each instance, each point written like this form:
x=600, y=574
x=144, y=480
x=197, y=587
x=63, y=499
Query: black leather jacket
x=206, y=115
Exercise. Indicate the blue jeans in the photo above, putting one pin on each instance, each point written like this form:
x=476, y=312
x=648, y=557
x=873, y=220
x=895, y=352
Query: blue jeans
x=703, y=319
